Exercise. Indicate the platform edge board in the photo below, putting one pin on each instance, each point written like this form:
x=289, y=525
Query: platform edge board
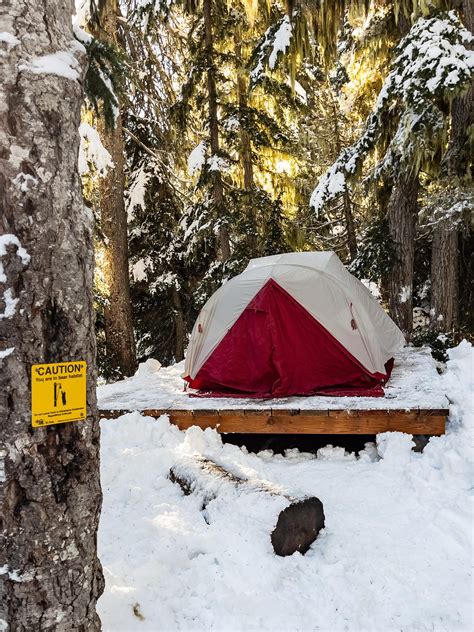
x=289, y=421
x=286, y=424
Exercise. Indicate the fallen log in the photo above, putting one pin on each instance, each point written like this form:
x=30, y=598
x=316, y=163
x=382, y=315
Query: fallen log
x=296, y=527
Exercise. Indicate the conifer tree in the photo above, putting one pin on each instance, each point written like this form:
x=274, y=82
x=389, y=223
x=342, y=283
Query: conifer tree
x=117, y=311
x=409, y=124
x=50, y=487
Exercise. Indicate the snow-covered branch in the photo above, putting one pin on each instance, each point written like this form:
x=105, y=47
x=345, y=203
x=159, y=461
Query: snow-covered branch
x=433, y=64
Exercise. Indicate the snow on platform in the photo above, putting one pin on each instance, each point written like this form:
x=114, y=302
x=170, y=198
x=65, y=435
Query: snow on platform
x=415, y=384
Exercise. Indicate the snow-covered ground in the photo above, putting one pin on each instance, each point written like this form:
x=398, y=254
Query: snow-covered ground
x=396, y=552
x=414, y=383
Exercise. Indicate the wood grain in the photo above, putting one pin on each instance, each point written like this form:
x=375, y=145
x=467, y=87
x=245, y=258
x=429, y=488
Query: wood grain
x=294, y=421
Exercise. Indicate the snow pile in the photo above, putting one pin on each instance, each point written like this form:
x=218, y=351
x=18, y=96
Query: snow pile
x=414, y=383
x=395, y=554
x=149, y=366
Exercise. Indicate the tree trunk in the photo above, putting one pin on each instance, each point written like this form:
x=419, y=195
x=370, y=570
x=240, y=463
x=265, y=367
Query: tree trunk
x=51, y=498
x=179, y=326
x=245, y=145
x=445, y=248
x=217, y=184
x=401, y=214
x=350, y=226
x=294, y=528
x=444, y=276
x=119, y=335
x=348, y=216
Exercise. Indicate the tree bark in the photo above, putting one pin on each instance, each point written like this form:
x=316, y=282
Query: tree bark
x=444, y=276
x=50, y=488
x=180, y=332
x=245, y=145
x=401, y=214
x=350, y=226
x=445, y=249
x=348, y=215
x=217, y=184
x=119, y=334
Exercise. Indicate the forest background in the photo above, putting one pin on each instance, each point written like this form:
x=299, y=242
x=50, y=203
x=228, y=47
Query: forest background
x=217, y=131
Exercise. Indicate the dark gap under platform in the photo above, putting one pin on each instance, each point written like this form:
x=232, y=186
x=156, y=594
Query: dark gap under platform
x=305, y=443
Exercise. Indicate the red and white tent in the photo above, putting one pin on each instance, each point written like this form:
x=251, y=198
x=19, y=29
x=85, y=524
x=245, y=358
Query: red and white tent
x=292, y=324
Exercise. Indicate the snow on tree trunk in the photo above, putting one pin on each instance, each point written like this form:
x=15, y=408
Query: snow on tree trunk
x=50, y=577
x=401, y=215
x=119, y=335
x=217, y=184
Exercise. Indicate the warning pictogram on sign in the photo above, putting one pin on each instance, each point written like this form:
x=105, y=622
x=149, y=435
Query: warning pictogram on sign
x=58, y=393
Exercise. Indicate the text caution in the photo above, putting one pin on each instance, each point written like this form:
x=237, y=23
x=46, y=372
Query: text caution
x=58, y=393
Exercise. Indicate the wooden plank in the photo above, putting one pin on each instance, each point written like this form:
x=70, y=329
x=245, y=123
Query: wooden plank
x=342, y=423
x=290, y=421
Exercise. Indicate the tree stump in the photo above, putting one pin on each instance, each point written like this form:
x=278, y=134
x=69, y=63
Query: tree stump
x=295, y=528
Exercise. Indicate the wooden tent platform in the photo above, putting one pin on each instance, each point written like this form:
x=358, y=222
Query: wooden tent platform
x=302, y=421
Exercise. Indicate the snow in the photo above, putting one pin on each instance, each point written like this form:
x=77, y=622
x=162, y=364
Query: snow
x=81, y=35
x=13, y=575
x=139, y=269
x=405, y=294
x=25, y=181
x=9, y=39
x=197, y=158
x=10, y=304
x=137, y=191
x=231, y=124
x=62, y=63
x=299, y=90
x=4, y=353
x=415, y=383
x=274, y=41
x=113, y=97
x=433, y=60
x=372, y=287
x=11, y=240
x=83, y=12
x=395, y=554
x=217, y=163
x=165, y=280
x=331, y=184
x=281, y=41
x=92, y=151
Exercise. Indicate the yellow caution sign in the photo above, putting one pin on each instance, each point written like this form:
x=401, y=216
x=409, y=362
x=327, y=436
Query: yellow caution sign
x=58, y=393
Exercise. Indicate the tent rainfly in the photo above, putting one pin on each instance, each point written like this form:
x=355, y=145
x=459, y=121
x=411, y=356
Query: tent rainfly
x=292, y=324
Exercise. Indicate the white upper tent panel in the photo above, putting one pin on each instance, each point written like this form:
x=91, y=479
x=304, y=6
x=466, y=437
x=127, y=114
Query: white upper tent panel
x=315, y=260
x=323, y=286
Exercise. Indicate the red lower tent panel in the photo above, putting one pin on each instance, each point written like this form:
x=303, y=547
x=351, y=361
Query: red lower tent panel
x=276, y=349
